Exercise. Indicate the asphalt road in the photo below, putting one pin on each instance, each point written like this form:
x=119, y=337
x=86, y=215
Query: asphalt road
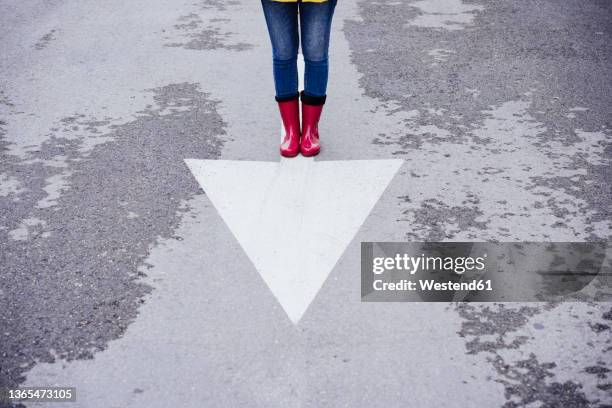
x=120, y=278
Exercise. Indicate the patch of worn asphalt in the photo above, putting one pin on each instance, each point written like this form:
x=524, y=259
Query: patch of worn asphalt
x=453, y=64
x=471, y=76
x=70, y=272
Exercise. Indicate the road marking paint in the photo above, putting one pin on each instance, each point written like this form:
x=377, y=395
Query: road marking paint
x=294, y=218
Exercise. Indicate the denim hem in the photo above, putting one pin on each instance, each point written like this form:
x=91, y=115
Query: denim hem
x=287, y=98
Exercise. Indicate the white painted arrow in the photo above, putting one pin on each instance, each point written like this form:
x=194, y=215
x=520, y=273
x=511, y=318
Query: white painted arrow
x=294, y=218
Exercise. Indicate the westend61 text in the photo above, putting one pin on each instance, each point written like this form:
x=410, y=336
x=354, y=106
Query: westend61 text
x=430, y=284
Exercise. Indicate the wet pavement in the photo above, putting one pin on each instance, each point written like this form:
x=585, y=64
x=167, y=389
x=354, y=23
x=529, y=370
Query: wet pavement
x=121, y=278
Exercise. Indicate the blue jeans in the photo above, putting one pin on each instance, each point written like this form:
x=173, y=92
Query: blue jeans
x=314, y=27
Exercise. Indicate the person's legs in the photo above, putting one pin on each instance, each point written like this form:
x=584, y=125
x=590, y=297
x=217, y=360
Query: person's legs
x=282, y=22
x=315, y=25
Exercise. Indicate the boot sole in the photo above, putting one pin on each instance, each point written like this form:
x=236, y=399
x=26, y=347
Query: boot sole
x=311, y=154
x=290, y=155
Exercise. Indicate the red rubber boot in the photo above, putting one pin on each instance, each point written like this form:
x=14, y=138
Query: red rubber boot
x=311, y=113
x=290, y=114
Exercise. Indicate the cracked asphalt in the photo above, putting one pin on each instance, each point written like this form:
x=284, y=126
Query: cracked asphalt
x=119, y=277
